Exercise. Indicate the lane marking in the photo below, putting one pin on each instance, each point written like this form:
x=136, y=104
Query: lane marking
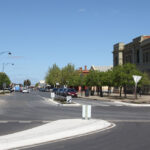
x=25, y=121
x=4, y=121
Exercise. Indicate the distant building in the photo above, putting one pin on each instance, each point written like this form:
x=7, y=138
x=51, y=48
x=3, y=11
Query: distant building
x=136, y=52
x=84, y=71
x=42, y=84
x=101, y=68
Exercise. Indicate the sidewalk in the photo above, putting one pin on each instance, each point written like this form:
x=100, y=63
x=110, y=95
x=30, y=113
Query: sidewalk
x=144, y=99
x=53, y=131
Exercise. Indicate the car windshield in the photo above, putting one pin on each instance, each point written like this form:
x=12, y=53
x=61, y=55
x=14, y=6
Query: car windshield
x=71, y=90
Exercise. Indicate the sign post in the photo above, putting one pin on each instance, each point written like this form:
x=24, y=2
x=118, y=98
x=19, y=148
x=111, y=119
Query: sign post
x=136, y=80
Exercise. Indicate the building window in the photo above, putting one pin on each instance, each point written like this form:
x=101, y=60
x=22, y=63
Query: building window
x=128, y=59
x=149, y=57
x=143, y=58
x=116, y=61
x=137, y=57
x=146, y=57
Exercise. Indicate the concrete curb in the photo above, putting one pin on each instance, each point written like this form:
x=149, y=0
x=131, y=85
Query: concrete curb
x=122, y=103
x=53, y=131
x=66, y=105
x=132, y=105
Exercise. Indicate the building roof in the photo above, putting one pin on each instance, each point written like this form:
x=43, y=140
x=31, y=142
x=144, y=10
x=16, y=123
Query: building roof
x=101, y=68
x=145, y=42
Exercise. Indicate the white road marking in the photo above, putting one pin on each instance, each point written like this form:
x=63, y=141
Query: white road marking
x=25, y=121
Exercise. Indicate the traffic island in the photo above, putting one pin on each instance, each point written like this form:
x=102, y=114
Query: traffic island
x=50, y=132
x=62, y=101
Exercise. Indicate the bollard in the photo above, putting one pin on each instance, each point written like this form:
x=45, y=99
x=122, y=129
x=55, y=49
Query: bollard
x=86, y=112
x=52, y=95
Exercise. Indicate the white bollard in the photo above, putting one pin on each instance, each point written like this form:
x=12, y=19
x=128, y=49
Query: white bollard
x=52, y=95
x=86, y=111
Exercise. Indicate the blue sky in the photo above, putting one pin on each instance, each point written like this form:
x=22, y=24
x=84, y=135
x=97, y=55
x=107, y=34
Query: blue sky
x=40, y=33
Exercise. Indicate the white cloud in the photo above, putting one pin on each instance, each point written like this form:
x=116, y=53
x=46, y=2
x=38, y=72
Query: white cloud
x=81, y=10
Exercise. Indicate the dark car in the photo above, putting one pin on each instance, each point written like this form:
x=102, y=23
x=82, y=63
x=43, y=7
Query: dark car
x=71, y=92
x=54, y=90
x=8, y=90
x=59, y=91
x=42, y=89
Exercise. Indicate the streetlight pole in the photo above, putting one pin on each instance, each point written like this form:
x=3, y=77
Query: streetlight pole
x=9, y=53
x=6, y=64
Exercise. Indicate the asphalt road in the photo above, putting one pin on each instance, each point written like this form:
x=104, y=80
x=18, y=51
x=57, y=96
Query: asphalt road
x=20, y=111
x=125, y=136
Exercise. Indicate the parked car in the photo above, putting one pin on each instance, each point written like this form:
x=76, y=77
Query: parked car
x=42, y=89
x=71, y=92
x=8, y=90
x=54, y=90
x=59, y=91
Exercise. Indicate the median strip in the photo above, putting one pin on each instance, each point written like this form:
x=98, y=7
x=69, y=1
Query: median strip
x=52, y=131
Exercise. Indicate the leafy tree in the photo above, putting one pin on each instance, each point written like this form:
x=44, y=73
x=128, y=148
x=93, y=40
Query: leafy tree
x=108, y=80
x=53, y=76
x=4, y=79
x=95, y=78
x=70, y=76
x=145, y=80
x=122, y=76
x=37, y=84
x=27, y=82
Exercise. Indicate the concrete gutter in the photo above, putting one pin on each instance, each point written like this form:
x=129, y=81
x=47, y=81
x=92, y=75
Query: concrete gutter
x=53, y=131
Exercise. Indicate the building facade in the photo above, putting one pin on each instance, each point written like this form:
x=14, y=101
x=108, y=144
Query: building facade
x=136, y=52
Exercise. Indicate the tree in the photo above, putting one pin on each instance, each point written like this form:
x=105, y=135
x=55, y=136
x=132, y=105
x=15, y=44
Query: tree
x=145, y=80
x=53, y=75
x=122, y=76
x=4, y=79
x=70, y=76
x=108, y=80
x=95, y=78
x=37, y=84
x=27, y=82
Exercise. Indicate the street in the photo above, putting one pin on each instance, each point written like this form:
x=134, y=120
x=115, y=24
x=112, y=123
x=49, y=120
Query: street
x=20, y=111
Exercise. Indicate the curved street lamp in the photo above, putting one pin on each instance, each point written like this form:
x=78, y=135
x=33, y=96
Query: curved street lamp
x=5, y=64
x=9, y=53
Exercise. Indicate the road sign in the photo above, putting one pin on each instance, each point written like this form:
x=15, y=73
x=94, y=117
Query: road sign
x=136, y=78
x=69, y=99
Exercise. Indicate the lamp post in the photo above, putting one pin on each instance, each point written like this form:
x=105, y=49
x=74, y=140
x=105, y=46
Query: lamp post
x=4, y=64
x=9, y=53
